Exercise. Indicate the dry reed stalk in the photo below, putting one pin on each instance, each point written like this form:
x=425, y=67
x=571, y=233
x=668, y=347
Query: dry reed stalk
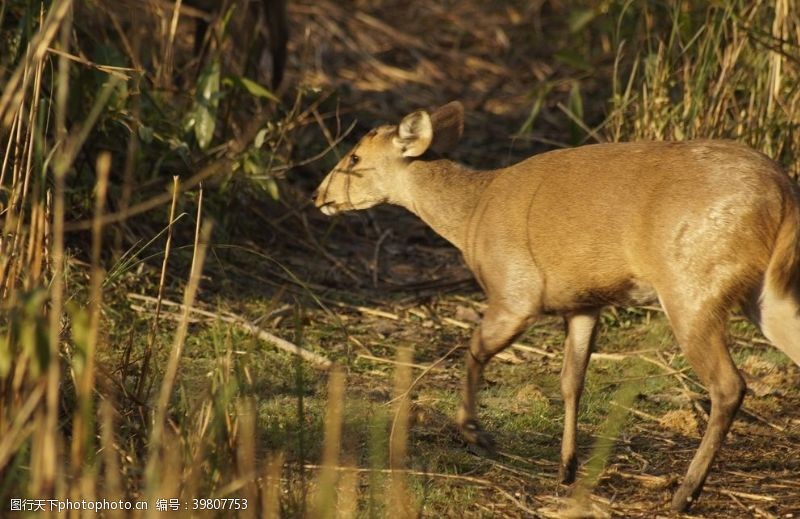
x=246, y=456
x=118, y=72
x=7, y=155
x=112, y=482
x=325, y=505
x=735, y=77
x=44, y=473
x=9, y=237
x=132, y=150
x=29, y=153
x=83, y=421
x=172, y=469
x=779, y=33
x=400, y=501
x=412, y=385
x=196, y=448
x=581, y=501
x=21, y=264
x=19, y=430
x=45, y=461
x=151, y=338
x=271, y=491
x=15, y=88
x=156, y=440
x=165, y=73
x=347, y=492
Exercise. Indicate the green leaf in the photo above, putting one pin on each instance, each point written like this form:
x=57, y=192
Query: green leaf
x=145, y=134
x=256, y=89
x=109, y=55
x=576, y=100
x=206, y=103
x=540, y=94
x=79, y=318
x=272, y=188
x=572, y=58
x=250, y=166
x=260, y=136
x=33, y=331
x=575, y=106
x=580, y=18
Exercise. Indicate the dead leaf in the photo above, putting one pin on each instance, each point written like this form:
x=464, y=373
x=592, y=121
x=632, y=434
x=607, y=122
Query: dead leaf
x=681, y=421
x=466, y=313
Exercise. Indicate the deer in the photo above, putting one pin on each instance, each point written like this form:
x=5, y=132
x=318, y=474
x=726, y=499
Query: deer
x=700, y=226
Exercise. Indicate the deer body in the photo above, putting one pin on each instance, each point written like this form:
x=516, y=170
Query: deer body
x=587, y=227
x=700, y=226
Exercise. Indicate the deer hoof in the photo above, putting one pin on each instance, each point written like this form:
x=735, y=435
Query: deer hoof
x=475, y=435
x=568, y=470
x=682, y=501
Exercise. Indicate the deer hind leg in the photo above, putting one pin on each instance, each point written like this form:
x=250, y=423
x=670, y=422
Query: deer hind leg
x=497, y=331
x=701, y=333
x=581, y=333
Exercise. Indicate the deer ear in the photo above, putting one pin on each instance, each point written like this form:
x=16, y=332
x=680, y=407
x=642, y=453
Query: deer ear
x=414, y=134
x=448, y=126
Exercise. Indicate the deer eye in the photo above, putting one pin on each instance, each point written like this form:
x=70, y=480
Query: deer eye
x=354, y=159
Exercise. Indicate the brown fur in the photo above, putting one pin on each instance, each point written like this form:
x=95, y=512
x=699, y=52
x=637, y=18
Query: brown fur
x=699, y=225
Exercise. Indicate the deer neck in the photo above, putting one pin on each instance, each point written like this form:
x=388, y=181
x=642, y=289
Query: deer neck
x=444, y=195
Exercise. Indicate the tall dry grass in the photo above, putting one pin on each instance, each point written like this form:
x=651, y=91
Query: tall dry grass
x=60, y=423
x=710, y=70
x=62, y=431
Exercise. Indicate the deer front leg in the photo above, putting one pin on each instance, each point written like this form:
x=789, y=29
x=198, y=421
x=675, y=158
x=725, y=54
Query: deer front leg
x=578, y=347
x=496, y=332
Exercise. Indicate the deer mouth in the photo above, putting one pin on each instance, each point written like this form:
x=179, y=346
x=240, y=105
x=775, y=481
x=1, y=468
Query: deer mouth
x=328, y=208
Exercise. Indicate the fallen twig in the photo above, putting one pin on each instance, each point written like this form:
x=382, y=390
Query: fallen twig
x=534, y=349
x=746, y=495
x=640, y=414
x=391, y=361
x=369, y=311
x=246, y=325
